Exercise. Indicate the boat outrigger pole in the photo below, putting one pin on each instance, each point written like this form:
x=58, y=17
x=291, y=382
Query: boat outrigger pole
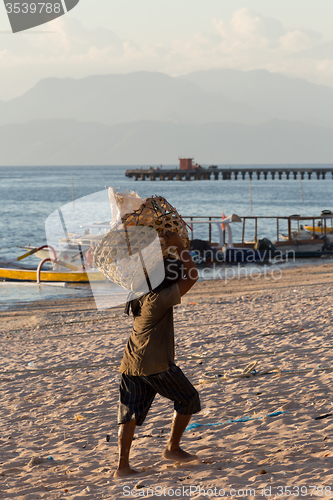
x=35, y=250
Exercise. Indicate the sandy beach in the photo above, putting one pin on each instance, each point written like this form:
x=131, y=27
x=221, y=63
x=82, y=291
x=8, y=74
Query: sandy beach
x=259, y=351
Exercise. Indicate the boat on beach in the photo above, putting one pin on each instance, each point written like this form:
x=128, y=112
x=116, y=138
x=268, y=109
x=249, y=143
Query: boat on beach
x=296, y=242
x=71, y=262
x=312, y=238
x=73, y=250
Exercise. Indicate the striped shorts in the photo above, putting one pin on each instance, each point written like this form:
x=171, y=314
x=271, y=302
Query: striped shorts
x=136, y=394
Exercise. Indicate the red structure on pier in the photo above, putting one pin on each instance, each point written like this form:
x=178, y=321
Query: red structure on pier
x=185, y=164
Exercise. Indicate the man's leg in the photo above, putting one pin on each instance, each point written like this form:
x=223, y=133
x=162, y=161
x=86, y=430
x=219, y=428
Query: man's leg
x=173, y=385
x=135, y=399
x=173, y=450
x=125, y=438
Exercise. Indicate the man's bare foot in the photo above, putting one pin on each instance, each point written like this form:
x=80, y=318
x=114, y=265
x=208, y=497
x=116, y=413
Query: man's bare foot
x=125, y=471
x=179, y=455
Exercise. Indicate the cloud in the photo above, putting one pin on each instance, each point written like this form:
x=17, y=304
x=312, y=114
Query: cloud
x=249, y=32
x=252, y=41
x=251, y=26
x=295, y=41
x=67, y=38
x=247, y=41
x=248, y=29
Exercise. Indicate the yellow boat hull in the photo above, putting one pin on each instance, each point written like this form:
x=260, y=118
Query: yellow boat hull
x=11, y=274
x=318, y=229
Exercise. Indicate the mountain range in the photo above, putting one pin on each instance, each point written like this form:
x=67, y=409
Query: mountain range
x=217, y=116
x=273, y=94
x=69, y=142
x=113, y=99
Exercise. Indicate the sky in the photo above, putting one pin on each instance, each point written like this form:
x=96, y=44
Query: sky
x=292, y=37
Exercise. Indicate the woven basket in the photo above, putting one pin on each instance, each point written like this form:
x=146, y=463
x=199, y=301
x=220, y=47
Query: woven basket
x=130, y=247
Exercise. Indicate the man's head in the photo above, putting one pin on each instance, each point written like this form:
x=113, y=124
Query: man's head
x=173, y=270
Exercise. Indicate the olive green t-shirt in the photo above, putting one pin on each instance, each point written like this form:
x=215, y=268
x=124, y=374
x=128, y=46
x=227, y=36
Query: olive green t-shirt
x=151, y=346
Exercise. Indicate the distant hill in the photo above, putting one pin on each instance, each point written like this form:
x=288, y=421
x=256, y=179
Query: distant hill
x=69, y=142
x=277, y=95
x=216, y=116
x=114, y=99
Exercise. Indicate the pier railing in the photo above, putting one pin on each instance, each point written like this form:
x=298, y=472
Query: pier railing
x=326, y=226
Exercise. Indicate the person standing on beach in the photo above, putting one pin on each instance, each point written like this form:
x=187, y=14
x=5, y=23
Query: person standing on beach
x=148, y=365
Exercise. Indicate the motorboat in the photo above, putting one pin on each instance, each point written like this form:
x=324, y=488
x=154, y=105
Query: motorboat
x=296, y=242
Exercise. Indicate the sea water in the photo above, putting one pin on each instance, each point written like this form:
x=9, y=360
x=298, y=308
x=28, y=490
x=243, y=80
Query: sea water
x=28, y=195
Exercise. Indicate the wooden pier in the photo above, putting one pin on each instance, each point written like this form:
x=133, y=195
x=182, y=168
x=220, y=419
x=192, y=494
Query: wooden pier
x=233, y=173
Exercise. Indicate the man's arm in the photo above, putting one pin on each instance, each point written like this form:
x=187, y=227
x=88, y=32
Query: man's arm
x=191, y=272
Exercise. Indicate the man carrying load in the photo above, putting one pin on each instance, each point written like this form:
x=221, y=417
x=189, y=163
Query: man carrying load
x=148, y=364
